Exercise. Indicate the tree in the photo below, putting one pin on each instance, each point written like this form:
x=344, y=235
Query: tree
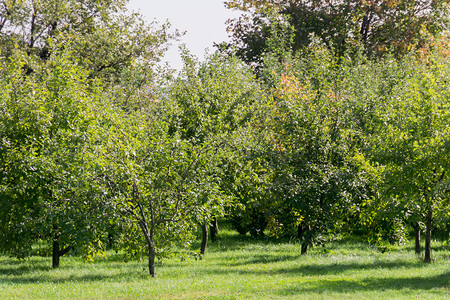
x=379, y=26
x=215, y=100
x=405, y=141
x=71, y=48
x=367, y=87
x=163, y=161
x=161, y=184
x=315, y=174
x=118, y=47
x=415, y=147
x=48, y=127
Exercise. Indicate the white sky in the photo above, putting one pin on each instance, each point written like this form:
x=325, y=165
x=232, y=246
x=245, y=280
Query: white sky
x=203, y=21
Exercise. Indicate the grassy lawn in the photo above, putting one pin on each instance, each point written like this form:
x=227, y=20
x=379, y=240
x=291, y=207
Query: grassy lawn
x=238, y=267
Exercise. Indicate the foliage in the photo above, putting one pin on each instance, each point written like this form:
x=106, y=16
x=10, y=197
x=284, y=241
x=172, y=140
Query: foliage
x=378, y=26
x=415, y=146
x=95, y=147
x=218, y=99
x=57, y=120
x=309, y=145
x=215, y=98
x=164, y=161
x=48, y=127
x=111, y=44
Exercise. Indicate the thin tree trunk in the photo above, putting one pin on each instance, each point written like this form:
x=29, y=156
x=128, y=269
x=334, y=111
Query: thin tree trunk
x=151, y=260
x=428, y=236
x=365, y=26
x=55, y=253
x=417, y=237
x=429, y=224
x=300, y=230
x=214, y=229
x=216, y=225
x=204, y=239
x=151, y=254
x=304, y=247
x=148, y=234
x=151, y=247
x=110, y=241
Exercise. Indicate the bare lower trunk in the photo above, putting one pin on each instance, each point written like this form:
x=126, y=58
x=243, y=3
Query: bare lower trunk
x=151, y=247
x=110, y=241
x=304, y=247
x=204, y=239
x=151, y=261
x=300, y=230
x=151, y=258
x=428, y=236
x=214, y=229
x=55, y=254
x=148, y=232
x=417, y=237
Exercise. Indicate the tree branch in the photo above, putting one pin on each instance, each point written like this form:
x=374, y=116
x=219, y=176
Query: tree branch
x=65, y=250
x=32, y=29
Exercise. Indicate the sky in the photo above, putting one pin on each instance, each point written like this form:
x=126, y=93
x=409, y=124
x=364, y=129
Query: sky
x=202, y=20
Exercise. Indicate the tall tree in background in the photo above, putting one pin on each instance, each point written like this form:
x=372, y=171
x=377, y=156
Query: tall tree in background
x=379, y=26
x=109, y=42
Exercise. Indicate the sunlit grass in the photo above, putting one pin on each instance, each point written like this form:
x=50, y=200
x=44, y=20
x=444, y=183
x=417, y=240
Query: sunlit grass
x=237, y=267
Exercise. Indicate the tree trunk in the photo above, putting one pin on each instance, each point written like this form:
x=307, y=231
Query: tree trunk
x=428, y=236
x=148, y=234
x=151, y=247
x=300, y=230
x=151, y=260
x=204, y=239
x=304, y=247
x=214, y=229
x=55, y=253
x=151, y=255
x=365, y=27
x=417, y=237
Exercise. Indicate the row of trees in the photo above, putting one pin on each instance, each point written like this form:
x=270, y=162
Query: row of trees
x=99, y=145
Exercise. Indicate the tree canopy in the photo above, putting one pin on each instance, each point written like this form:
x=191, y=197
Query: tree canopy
x=379, y=26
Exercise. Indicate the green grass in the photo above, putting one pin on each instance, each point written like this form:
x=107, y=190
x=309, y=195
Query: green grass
x=237, y=267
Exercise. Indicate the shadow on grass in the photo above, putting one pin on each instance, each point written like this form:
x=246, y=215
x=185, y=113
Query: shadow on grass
x=311, y=269
x=17, y=267
x=237, y=242
x=251, y=259
x=32, y=278
x=373, y=284
x=336, y=269
x=32, y=270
